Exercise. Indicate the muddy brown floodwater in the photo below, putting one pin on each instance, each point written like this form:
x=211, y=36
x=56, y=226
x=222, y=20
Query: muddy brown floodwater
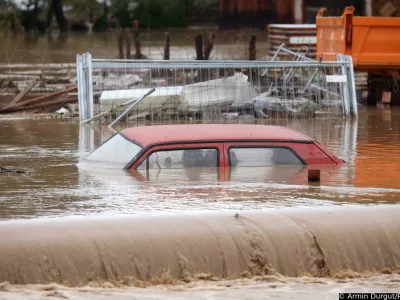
x=229, y=44
x=294, y=245
x=50, y=149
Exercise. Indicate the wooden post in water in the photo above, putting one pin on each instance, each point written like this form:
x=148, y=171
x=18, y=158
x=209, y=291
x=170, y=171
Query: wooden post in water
x=138, y=53
x=209, y=44
x=128, y=42
x=314, y=175
x=121, y=45
x=252, y=47
x=198, y=40
x=166, y=46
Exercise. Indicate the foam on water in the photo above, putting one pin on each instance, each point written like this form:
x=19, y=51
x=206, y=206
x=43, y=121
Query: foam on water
x=270, y=287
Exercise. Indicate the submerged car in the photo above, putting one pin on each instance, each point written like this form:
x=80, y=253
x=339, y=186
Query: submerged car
x=210, y=146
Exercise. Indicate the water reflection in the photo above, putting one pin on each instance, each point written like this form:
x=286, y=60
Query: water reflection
x=50, y=149
x=86, y=140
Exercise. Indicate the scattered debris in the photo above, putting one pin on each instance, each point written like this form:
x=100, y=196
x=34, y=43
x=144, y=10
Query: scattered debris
x=63, y=111
x=9, y=171
x=234, y=89
x=25, y=91
x=46, y=103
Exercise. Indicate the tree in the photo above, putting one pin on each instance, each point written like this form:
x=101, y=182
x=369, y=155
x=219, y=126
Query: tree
x=31, y=15
x=58, y=12
x=10, y=18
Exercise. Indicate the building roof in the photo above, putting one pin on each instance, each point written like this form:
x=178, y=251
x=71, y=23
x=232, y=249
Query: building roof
x=148, y=135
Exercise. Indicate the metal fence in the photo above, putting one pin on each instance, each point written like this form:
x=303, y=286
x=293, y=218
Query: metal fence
x=214, y=91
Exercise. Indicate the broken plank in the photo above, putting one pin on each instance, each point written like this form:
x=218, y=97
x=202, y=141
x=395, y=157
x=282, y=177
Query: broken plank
x=61, y=101
x=46, y=97
x=25, y=91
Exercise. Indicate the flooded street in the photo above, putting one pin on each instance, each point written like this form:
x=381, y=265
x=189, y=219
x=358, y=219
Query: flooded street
x=49, y=149
x=192, y=234
x=74, y=231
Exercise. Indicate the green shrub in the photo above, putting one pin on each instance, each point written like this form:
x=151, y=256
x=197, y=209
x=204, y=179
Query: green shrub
x=161, y=14
x=10, y=21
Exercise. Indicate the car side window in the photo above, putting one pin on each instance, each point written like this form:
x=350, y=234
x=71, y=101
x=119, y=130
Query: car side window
x=262, y=156
x=180, y=159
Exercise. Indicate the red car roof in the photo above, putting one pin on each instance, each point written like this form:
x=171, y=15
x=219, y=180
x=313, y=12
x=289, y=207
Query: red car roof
x=147, y=135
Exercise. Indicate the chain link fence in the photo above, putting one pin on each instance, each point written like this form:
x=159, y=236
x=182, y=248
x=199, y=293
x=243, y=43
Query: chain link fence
x=214, y=91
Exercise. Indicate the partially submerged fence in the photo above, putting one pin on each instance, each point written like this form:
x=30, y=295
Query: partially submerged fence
x=215, y=91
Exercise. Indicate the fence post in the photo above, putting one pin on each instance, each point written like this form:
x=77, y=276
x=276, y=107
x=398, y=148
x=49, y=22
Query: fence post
x=352, y=85
x=128, y=42
x=166, y=46
x=90, y=85
x=252, y=47
x=85, y=86
x=198, y=39
x=345, y=93
x=341, y=88
x=81, y=86
x=345, y=86
x=138, y=53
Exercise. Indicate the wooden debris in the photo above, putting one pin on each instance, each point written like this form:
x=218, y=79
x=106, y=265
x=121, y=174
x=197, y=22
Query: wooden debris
x=252, y=47
x=25, y=91
x=46, y=97
x=198, y=40
x=166, y=46
x=51, y=108
x=59, y=102
x=47, y=102
x=138, y=53
x=128, y=43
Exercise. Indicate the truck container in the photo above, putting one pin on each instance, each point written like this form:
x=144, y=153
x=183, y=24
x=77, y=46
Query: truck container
x=373, y=43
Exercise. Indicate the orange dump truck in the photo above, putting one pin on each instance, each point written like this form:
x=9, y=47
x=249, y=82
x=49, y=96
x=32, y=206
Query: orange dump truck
x=373, y=43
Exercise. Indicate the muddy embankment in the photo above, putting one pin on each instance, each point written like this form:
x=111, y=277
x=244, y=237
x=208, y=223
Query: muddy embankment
x=292, y=242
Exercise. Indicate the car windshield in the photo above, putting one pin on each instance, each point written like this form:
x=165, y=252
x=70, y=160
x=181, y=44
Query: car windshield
x=116, y=152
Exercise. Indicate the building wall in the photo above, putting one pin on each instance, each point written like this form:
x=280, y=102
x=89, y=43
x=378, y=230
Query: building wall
x=238, y=13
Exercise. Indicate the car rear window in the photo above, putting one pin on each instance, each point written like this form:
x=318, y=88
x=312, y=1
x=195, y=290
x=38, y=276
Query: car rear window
x=116, y=152
x=262, y=156
x=180, y=159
